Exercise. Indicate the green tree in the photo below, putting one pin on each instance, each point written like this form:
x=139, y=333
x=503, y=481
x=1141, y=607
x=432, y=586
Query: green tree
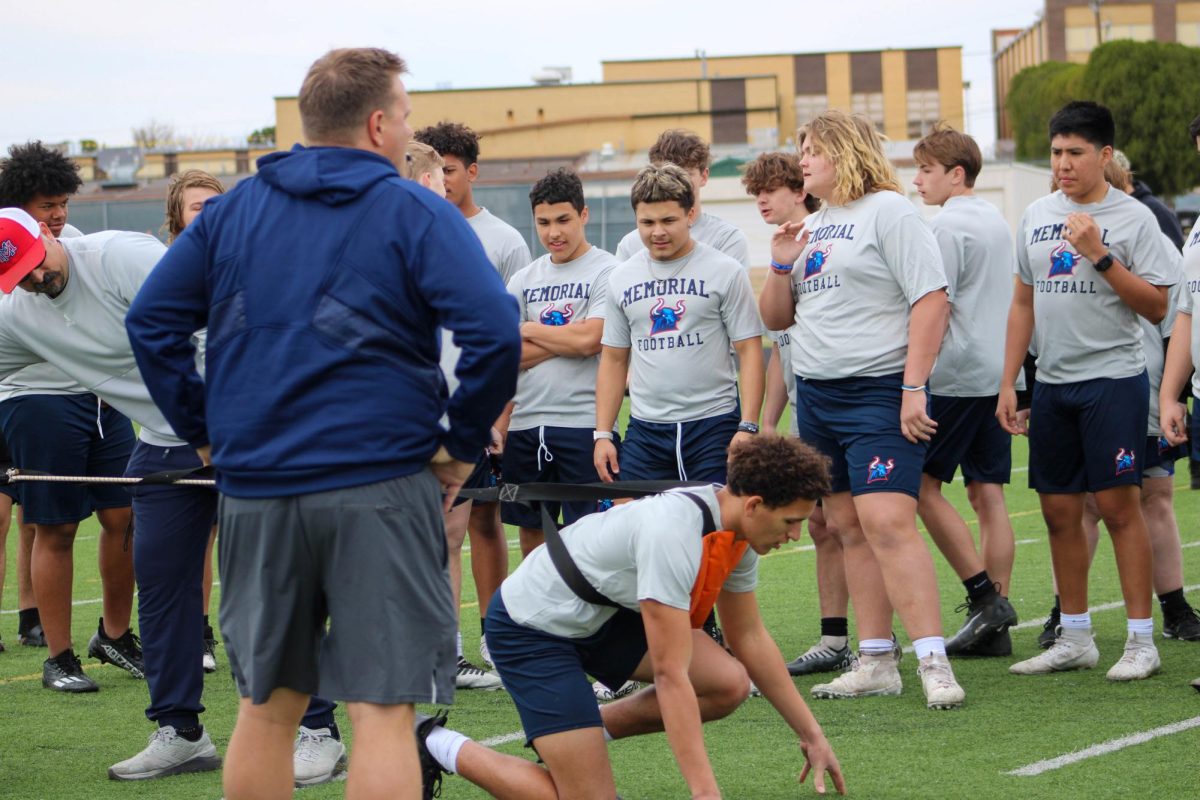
x=262, y=136
x=1153, y=91
x=1035, y=94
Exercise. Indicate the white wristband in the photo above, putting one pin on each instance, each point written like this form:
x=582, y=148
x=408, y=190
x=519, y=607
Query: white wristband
x=598, y=435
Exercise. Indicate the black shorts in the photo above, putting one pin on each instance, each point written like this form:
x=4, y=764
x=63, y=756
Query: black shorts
x=550, y=455
x=968, y=435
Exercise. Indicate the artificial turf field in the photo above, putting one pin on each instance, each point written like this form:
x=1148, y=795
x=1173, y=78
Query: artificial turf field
x=58, y=746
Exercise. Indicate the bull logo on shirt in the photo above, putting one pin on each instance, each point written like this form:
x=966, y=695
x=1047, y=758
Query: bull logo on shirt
x=7, y=251
x=1063, y=261
x=1125, y=461
x=816, y=261
x=879, y=470
x=663, y=318
x=553, y=316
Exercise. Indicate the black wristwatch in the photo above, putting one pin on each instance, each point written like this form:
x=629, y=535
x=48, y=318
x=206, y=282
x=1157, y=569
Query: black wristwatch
x=747, y=427
x=1104, y=263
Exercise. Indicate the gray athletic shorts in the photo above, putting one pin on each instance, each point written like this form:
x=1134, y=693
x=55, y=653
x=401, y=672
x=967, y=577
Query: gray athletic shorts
x=371, y=562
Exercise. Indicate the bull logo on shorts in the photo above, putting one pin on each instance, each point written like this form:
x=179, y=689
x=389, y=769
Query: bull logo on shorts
x=663, y=319
x=879, y=470
x=553, y=316
x=816, y=261
x=1125, y=461
x=1163, y=445
x=1063, y=261
x=7, y=251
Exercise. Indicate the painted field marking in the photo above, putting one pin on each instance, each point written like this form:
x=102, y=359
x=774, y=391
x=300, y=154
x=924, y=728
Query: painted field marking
x=1111, y=746
x=503, y=738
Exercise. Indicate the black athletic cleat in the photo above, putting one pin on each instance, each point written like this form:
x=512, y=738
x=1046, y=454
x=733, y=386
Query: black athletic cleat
x=713, y=630
x=1050, y=630
x=34, y=637
x=986, y=617
x=209, y=659
x=64, y=673
x=998, y=644
x=431, y=770
x=125, y=651
x=1, y=645
x=1184, y=625
x=821, y=657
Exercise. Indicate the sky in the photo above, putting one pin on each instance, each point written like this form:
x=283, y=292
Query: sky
x=75, y=70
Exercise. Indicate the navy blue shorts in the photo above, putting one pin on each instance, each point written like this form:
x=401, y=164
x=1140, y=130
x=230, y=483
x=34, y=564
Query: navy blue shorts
x=1161, y=455
x=485, y=475
x=1088, y=436
x=970, y=436
x=546, y=675
x=550, y=454
x=7, y=489
x=1193, y=446
x=67, y=434
x=856, y=423
x=683, y=451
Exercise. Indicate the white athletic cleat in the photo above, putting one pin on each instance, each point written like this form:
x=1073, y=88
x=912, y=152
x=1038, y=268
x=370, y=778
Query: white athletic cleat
x=168, y=754
x=871, y=676
x=1067, y=653
x=937, y=679
x=485, y=655
x=1140, y=660
x=317, y=757
x=605, y=694
x=470, y=676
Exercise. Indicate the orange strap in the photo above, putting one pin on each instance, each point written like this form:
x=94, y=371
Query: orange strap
x=721, y=554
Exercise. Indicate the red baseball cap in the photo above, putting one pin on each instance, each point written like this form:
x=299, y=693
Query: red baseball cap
x=21, y=248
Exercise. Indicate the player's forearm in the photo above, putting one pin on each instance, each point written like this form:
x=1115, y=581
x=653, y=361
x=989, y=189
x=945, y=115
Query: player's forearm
x=533, y=354
x=751, y=377
x=610, y=386
x=775, y=304
x=764, y=664
x=1143, y=297
x=926, y=326
x=578, y=340
x=776, y=391
x=1178, y=363
x=681, y=721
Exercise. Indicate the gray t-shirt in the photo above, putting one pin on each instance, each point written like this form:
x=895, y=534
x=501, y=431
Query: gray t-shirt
x=646, y=550
x=562, y=390
x=1189, y=297
x=783, y=340
x=679, y=318
x=504, y=245
x=82, y=331
x=713, y=231
x=865, y=265
x=1082, y=329
x=977, y=254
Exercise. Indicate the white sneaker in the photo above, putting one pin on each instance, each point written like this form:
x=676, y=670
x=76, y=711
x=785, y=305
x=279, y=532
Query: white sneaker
x=485, y=655
x=1067, y=653
x=168, y=754
x=870, y=676
x=937, y=679
x=317, y=757
x=1140, y=660
x=470, y=676
x=605, y=694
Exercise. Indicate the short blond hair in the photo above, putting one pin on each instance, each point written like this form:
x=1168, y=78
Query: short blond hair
x=188, y=179
x=420, y=158
x=855, y=149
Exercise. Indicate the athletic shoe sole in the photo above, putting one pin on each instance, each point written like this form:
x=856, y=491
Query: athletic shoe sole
x=198, y=764
x=108, y=654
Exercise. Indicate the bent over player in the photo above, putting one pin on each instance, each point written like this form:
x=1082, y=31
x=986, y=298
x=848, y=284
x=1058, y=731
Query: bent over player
x=650, y=560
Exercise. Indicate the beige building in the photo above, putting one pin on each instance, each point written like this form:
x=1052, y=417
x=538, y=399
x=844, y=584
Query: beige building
x=729, y=100
x=1068, y=30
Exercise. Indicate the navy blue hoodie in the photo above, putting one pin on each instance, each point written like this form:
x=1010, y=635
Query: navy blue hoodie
x=323, y=282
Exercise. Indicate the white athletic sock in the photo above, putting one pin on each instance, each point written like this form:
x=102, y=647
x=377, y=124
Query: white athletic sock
x=875, y=647
x=834, y=642
x=928, y=646
x=443, y=744
x=1141, y=627
x=458, y=643
x=1076, y=622
x=608, y=737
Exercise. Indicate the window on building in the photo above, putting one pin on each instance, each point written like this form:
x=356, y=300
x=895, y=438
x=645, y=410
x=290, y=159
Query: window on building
x=924, y=109
x=1188, y=33
x=870, y=105
x=1083, y=39
x=809, y=106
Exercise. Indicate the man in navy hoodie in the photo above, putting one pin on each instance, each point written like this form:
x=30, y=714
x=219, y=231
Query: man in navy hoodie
x=324, y=282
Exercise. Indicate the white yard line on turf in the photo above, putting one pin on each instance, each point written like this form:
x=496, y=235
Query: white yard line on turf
x=503, y=738
x=91, y=602
x=1110, y=746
